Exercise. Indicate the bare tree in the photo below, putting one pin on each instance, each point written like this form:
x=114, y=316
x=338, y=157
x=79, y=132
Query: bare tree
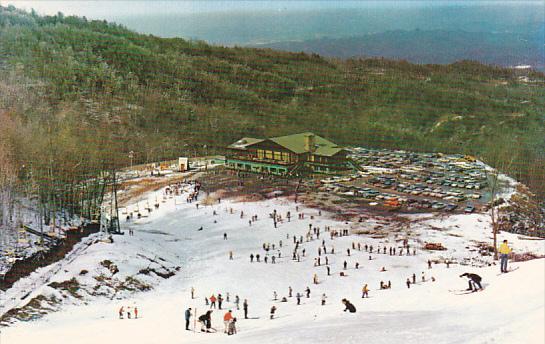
x=501, y=158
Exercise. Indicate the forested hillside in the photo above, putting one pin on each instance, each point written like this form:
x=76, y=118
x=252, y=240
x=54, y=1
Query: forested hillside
x=76, y=96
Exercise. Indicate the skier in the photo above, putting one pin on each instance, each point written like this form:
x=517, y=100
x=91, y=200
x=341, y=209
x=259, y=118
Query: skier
x=224, y=236
x=245, y=308
x=414, y=278
x=348, y=306
x=227, y=317
x=365, y=291
x=298, y=296
x=212, y=301
x=257, y=257
x=237, y=302
x=273, y=310
x=187, y=318
x=504, y=251
x=206, y=321
x=230, y=255
x=192, y=293
x=220, y=301
x=251, y=258
x=408, y=283
x=315, y=279
x=323, y=299
x=121, y=312
x=232, y=327
x=474, y=281
x=275, y=295
x=136, y=312
x=290, y=291
x=429, y=264
x=345, y=264
x=308, y=292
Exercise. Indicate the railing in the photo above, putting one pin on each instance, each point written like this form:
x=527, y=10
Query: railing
x=265, y=161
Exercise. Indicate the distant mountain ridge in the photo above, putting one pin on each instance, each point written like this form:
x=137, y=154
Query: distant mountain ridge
x=430, y=47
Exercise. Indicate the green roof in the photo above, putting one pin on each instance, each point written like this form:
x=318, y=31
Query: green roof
x=296, y=144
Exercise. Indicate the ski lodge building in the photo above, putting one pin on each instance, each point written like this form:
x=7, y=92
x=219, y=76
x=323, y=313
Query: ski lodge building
x=297, y=154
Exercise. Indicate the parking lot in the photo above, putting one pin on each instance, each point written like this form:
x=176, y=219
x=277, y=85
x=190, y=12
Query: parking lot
x=414, y=181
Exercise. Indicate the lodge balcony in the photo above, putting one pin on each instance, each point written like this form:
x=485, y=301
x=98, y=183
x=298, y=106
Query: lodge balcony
x=263, y=161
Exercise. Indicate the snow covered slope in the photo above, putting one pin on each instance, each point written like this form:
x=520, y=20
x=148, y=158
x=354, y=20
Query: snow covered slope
x=168, y=255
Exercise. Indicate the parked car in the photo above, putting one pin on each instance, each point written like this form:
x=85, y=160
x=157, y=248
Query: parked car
x=469, y=208
x=451, y=207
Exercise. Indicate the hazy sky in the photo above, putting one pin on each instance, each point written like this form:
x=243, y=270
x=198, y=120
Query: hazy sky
x=104, y=9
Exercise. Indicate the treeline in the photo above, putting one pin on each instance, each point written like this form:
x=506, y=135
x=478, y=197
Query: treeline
x=86, y=93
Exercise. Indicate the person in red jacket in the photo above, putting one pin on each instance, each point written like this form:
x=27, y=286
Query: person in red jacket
x=213, y=301
x=226, y=320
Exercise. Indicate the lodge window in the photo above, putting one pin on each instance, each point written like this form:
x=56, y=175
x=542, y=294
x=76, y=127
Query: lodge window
x=260, y=153
x=277, y=156
x=269, y=154
x=286, y=156
x=311, y=157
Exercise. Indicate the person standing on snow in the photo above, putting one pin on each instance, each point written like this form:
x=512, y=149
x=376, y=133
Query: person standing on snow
x=212, y=301
x=504, y=251
x=237, y=302
x=298, y=296
x=121, y=310
x=245, y=308
x=232, y=327
x=323, y=299
x=220, y=301
x=273, y=310
x=308, y=292
x=187, y=318
x=408, y=283
x=365, y=291
x=227, y=317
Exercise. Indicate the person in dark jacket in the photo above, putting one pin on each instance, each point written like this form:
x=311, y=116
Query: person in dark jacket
x=474, y=281
x=349, y=306
x=206, y=321
x=245, y=307
x=187, y=317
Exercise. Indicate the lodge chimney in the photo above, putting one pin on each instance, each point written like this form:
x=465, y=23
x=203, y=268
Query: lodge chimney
x=310, y=143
